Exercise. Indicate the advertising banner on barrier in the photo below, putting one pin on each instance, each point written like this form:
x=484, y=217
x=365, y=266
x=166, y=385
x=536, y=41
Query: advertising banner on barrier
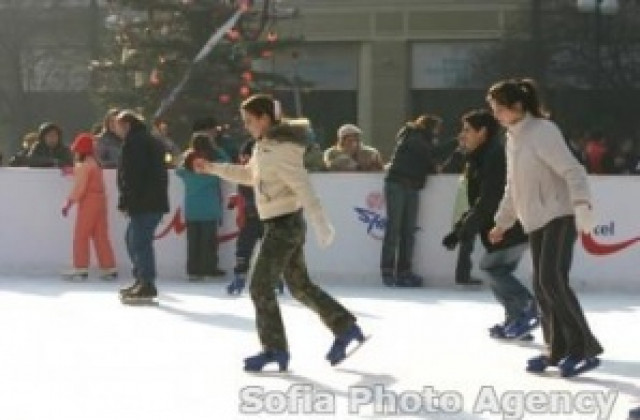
x=36, y=240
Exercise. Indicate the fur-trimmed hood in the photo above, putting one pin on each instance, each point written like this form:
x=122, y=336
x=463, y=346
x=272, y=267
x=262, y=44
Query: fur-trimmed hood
x=293, y=131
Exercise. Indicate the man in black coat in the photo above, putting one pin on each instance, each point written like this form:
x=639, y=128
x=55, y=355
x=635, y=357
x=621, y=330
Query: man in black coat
x=486, y=178
x=142, y=183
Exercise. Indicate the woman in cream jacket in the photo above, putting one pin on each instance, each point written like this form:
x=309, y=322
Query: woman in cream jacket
x=282, y=190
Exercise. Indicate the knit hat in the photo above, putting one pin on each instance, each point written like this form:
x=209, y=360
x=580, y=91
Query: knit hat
x=83, y=144
x=347, y=130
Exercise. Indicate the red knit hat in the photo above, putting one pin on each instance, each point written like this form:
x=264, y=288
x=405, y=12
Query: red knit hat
x=83, y=144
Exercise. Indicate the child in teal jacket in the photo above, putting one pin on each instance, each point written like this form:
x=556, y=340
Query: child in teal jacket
x=202, y=209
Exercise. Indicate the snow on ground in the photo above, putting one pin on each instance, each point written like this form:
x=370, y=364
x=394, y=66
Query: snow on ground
x=72, y=351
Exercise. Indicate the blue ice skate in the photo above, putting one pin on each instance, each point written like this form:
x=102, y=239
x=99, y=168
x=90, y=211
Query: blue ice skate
x=237, y=284
x=259, y=361
x=280, y=287
x=338, y=351
x=388, y=278
x=523, y=325
x=573, y=366
x=497, y=332
x=409, y=279
x=634, y=414
x=538, y=364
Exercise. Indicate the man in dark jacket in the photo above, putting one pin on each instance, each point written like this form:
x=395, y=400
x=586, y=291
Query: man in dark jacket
x=406, y=176
x=486, y=178
x=142, y=183
x=49, y=151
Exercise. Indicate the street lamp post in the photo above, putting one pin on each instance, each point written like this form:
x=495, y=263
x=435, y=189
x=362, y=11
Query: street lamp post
x=599, y=8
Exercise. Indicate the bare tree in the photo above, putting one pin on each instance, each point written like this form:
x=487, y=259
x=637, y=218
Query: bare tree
x=14, y=38
x=597, y=57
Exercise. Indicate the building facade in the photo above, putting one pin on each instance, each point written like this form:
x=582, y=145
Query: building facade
x=379, y=63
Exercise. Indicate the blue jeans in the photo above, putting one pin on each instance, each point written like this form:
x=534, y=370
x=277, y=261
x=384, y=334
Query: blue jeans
x=139, y=241
x=402, y=213
x=508, y=290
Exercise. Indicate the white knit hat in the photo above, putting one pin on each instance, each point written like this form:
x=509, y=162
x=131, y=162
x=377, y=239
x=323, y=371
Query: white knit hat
x=348, y=129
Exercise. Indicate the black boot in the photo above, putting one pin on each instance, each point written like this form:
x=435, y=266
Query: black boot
x=130, y=287
x=144, y=291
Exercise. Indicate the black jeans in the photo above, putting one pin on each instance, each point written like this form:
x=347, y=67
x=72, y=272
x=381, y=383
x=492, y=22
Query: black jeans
x=564, y=326
x=464, y=264
x=202, y=248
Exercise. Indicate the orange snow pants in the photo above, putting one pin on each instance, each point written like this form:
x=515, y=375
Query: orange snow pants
x=91, y=225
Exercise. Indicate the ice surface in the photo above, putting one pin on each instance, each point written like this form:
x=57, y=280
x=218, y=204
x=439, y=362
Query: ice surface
x=72, y=351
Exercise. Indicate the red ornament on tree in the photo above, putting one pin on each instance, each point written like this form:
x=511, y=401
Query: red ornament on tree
x=245, y=91
x=245, y=5
x=272, y=36
x=233, y=35
x=266, y=54
x=224, y=98
x=154, y=77
x=247, y=76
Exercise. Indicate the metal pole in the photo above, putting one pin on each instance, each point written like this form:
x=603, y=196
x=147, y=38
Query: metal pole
x=538, y=66
x=598, y=43
x=598, y=47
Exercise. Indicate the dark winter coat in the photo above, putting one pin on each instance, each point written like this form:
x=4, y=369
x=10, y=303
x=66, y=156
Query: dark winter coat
x=412, y=158
x=43, y=156
x=142, y=174
x=486, y=174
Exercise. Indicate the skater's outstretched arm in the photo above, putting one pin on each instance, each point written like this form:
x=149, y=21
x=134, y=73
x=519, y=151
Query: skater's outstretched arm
x=240, y=174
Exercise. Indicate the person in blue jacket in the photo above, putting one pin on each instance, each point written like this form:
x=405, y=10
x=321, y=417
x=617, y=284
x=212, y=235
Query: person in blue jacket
x=202, y=209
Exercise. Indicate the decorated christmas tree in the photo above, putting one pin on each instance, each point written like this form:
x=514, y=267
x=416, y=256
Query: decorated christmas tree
x=181, y=60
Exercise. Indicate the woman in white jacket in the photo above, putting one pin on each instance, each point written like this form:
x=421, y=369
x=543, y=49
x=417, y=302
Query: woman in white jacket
x=547, y=191
x=282, y=189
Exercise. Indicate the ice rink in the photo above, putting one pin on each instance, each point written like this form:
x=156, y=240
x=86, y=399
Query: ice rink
x=71, y=351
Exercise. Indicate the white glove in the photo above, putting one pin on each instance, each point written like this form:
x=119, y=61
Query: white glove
x=325, y=233
x=585, y=220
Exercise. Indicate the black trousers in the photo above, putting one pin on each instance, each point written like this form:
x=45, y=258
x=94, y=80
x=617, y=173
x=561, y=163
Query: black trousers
x=564, y=326
x=202, y=248
x=464, y=264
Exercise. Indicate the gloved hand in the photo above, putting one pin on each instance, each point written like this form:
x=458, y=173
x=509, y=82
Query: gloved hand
x=450, y=241
x=65, y=208
x=585, y=219
x=325, y=234
x=234, y=201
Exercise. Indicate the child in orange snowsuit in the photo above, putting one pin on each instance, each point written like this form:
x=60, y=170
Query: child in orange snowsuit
x=91, y=218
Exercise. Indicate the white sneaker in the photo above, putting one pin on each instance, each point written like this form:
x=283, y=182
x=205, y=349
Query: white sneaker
x=75, y=274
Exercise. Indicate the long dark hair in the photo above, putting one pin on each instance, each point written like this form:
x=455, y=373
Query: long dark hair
x=525, y=91
x=482, y=118
x=428, y=122
x=260, y=105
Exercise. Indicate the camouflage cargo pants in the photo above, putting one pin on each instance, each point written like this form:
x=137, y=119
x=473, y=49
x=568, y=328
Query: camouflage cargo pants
x=282, y=253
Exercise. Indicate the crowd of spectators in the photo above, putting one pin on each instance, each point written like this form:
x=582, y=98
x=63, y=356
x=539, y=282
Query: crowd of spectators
x=349, y=150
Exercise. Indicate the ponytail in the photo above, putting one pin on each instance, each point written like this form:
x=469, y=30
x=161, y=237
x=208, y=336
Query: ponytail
x=525, y=91
x=261, y=104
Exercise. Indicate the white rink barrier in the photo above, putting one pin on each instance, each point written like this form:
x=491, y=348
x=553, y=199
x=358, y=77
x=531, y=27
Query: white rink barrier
x=36, y=240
